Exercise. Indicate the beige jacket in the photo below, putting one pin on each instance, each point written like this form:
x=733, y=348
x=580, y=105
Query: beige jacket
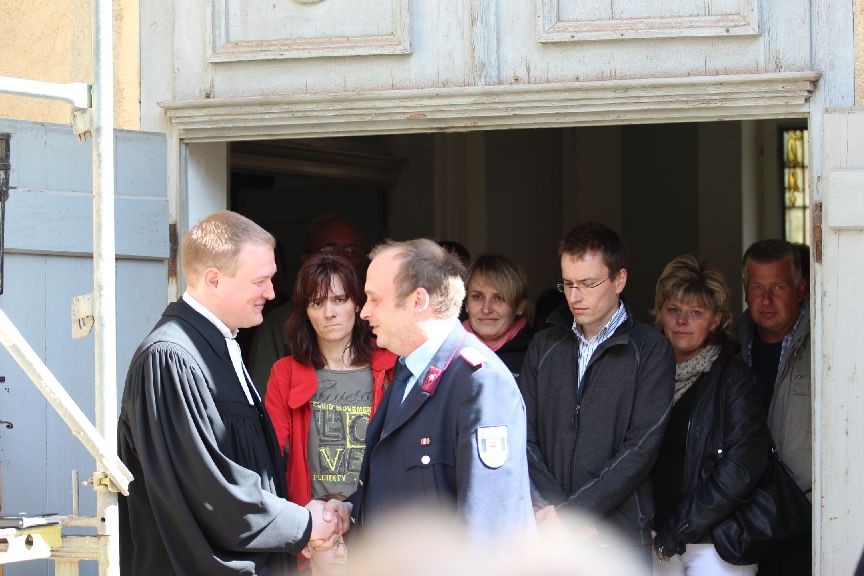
x=790, y=416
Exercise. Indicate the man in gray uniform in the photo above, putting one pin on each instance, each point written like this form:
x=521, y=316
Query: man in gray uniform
x=450, y=430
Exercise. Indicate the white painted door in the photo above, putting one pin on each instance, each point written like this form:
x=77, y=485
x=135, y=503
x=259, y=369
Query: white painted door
x=838, y=346
x=49, y=261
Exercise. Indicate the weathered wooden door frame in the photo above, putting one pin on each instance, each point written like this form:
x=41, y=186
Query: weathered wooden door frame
x=767, y=96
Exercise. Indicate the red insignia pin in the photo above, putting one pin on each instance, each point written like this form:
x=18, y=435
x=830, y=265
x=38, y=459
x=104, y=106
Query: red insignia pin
x=425, y=441
x=430, y=383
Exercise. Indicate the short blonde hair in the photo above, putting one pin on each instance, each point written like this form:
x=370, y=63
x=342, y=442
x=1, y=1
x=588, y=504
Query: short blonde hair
x=688, y=278
x=425, y=264
x=217, y=240
x=508, y=277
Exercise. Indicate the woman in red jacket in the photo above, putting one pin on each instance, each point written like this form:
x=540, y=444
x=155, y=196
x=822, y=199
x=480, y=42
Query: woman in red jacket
x=321, y=398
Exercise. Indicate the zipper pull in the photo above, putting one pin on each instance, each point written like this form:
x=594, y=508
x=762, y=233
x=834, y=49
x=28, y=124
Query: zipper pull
x=575, y=417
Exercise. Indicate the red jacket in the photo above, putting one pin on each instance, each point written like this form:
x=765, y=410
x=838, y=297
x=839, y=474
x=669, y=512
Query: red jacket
x=288, y=402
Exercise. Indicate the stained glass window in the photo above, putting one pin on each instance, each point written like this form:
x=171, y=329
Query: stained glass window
x=796, y=193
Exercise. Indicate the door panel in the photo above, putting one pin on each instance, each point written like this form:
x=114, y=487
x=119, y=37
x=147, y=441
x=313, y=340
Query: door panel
x=837, y=345
x=48, y=262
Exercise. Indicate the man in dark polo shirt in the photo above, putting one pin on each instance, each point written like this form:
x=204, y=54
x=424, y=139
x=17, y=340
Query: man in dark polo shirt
x=774, y=334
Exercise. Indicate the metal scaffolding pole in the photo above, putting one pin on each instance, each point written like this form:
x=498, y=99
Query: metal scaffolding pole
x=104, y=271
x=111, y=475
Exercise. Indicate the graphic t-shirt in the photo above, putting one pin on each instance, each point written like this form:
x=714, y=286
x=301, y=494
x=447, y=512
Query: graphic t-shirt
x=337, y=433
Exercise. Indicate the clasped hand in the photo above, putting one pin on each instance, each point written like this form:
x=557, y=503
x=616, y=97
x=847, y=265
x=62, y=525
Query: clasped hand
x=330, y=520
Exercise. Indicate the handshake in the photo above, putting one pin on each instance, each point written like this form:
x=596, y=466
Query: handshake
x=330, y=520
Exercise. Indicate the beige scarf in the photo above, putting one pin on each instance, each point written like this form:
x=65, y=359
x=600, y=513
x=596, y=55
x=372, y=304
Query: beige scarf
x=688, y=371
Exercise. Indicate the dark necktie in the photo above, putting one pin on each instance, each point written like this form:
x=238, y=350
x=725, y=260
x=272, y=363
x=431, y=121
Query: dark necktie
x=400, y=380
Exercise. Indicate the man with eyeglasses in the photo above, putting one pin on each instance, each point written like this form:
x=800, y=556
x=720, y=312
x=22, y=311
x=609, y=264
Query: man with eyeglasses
x=774, y=333
x=598, y=390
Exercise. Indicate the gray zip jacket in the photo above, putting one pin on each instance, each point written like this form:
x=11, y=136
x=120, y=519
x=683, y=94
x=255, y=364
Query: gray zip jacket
x=790, y=412
x=591, y=450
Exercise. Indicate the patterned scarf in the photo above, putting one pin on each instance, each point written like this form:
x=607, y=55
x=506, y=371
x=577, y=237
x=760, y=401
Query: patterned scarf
x=688, y=371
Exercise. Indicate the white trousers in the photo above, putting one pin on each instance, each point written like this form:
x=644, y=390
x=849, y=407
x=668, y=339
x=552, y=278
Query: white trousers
x=700, y=560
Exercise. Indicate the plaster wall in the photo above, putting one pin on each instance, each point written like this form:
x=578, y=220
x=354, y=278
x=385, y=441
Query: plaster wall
x=50, y=40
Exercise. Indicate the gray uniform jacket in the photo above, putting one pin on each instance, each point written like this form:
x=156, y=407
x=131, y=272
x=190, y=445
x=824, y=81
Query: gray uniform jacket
x=456, y=443
x=592, y=449
x=790, y=412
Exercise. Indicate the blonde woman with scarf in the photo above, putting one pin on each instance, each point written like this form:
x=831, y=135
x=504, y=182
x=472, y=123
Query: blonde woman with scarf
x=694, y=490
x=497, y=307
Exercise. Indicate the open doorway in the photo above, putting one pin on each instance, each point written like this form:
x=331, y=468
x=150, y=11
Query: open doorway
x=710, y=188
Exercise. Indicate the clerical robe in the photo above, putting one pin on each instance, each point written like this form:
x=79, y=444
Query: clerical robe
x=208, y=495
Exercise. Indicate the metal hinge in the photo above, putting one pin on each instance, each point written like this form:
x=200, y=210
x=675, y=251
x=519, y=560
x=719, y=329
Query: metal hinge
x=817, y=232
x=102, y=481
x=173, y=247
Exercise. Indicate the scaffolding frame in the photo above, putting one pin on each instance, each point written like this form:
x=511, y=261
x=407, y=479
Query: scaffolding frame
x=93, y=113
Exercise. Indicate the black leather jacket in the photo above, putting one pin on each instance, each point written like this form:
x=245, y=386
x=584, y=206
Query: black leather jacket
x=716, y=487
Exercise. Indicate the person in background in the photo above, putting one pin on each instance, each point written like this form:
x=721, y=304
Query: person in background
x=547, y=302
x=497, y=302
x=458, y=249
x=598, y=391
x=692, y=493
x=321, y=398
x=209, y=493
x=330, y=233
x=774, y=333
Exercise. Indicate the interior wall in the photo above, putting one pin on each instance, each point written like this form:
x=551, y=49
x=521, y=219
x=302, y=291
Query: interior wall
x=660, y=217
x=768, y=196
x=206, y=181
x=284, y=205
x=592, y=160
x=492, y=191
x=669, y=189
x=751, y=181
x=411, y=202
x=720, y=212
x=524, y=175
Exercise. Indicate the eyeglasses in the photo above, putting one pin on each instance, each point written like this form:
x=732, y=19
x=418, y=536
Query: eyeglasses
x=773, y=290
x=581, y=287
x=347, y=251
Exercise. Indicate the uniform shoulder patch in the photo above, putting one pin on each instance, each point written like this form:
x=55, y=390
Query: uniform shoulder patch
x=472, y=356
x=492, y=445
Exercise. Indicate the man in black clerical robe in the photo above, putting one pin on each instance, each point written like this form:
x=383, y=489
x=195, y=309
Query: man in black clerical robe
x=208, y=494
